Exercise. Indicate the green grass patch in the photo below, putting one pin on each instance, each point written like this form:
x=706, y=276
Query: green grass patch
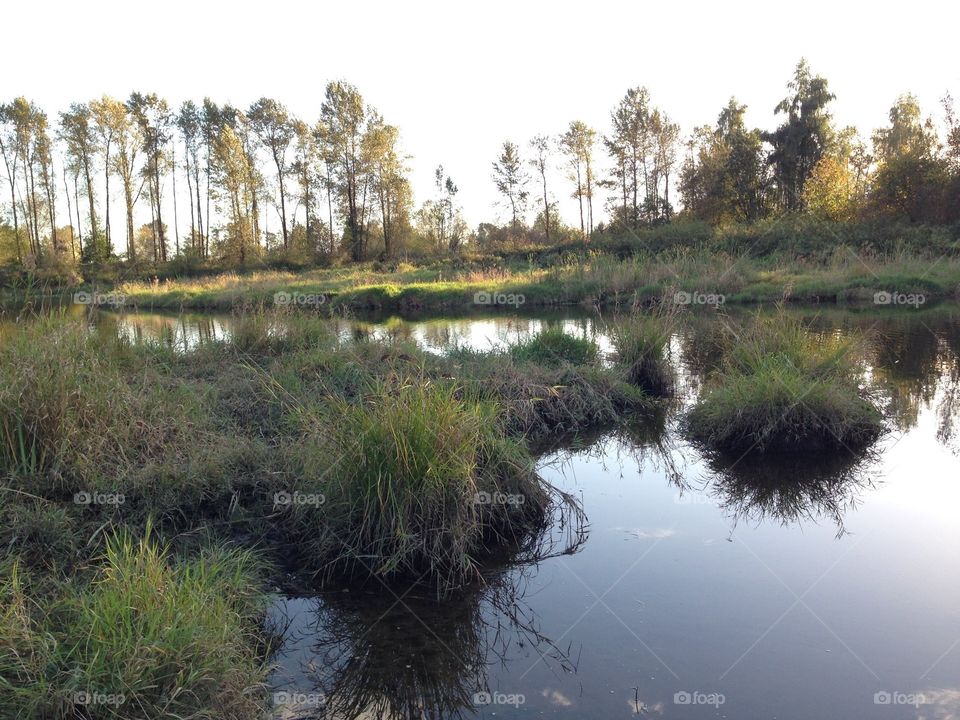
x=781, y=388
x=553, y=346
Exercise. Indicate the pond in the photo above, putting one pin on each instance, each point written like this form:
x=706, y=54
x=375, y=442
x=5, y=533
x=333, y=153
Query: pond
x=792, y=588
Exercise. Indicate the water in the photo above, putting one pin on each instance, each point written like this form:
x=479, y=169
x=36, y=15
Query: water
x=700, y=591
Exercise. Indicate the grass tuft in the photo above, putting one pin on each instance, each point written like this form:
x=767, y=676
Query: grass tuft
x=781, y=388
x=552, y=347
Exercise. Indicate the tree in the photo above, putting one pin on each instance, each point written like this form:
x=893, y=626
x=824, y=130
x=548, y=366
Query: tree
x=78, y=134
x=152, y=116
x=511, y=180
x=440, y=221
x=190, y=122
x=271, y=123
x=344, y=119
x=231, y=174
x=911, y=177
x=577, y=144
x=388, y=179
x=630, y=146
x=304, y=170
x=108, y=116
x=723, y=177
x=806, y=134
x=541, y=146
x=9, y=150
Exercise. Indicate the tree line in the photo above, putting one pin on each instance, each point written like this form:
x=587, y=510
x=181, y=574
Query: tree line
x=339, y=185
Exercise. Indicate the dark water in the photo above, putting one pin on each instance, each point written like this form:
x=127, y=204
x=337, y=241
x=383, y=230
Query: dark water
x=801, y=589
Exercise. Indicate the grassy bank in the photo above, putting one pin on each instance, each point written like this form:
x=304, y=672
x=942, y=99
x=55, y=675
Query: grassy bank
x=596, y=279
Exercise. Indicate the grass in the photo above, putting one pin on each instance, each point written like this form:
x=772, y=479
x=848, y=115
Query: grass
x=205, y=439
x=553, y=346
x=780, y=388
x=641, y=343
x=148, y=637
x=792, y=259
x=410, y=469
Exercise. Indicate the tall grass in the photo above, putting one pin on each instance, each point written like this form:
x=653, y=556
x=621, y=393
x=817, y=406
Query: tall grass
x=641, y=343
x=780, y=387
x=149, y=637
x=405, y=493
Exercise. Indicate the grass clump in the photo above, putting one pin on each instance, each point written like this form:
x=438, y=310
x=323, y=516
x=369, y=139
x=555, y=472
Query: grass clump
x=422, y=484
x=781, y=388
x=552, y=347
x=148, y=637
x=641, y=344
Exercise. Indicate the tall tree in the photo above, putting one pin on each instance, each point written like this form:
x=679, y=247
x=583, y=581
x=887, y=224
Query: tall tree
x=912, y=175
x=78, y=134
x=803, y=138
x=272, y=124
x=304, y=170
x=577, y=144
x=724, y=176
x=344, y=117
x=152, y=115
x=388, y=178
x=541, y=146
x=108, y=114
x=9, y=150
x=189, y=121
x=511, y=180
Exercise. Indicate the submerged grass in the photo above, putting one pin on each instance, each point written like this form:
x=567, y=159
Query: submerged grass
x=781, y=388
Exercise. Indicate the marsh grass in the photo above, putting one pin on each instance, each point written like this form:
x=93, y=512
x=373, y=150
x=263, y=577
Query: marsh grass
x=409, y=468
x=641, y=343
x=161, y=637
x=782, y=388
x=553, y=346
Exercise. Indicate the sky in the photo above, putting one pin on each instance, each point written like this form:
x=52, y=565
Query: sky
x=458, y=79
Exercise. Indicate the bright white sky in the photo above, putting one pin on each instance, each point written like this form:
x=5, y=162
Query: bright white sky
x=460, y=78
